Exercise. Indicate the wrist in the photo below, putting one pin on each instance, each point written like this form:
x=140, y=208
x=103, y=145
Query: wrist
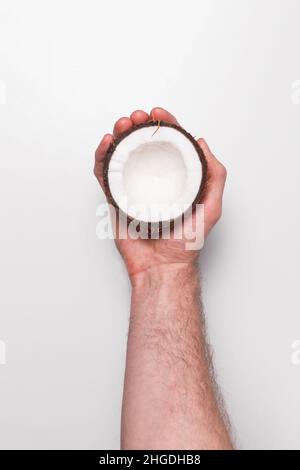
x=165, y=305
x=160, y=274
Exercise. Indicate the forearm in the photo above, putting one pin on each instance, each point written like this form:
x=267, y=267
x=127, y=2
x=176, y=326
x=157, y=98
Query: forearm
x=169, y=397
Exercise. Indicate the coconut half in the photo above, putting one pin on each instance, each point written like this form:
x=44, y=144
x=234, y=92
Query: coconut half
x=154, y=173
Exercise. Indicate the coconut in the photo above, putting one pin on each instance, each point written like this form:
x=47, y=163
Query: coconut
x=154, y=173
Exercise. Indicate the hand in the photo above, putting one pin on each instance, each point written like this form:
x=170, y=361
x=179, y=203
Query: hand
x=142, y=255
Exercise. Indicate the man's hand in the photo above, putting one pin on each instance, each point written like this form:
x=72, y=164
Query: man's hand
x=170, y=399
x=140, y=255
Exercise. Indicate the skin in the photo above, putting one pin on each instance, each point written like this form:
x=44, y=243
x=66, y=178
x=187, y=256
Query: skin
x=170, y=400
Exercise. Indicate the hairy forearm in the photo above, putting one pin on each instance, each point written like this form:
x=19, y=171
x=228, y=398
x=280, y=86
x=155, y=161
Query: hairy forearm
x=169, y=395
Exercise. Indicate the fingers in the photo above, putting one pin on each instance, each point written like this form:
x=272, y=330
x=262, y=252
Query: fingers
x=99, y=157
x=160, y=114
x=125, y=123
x=139, y=117
x=103, y=146
x=216, y=178
x=122, y=125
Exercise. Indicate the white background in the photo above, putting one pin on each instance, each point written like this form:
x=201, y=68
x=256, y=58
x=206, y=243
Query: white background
x=68, y=70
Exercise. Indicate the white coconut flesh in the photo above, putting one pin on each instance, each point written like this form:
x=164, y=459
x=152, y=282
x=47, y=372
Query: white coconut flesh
x=154, y=177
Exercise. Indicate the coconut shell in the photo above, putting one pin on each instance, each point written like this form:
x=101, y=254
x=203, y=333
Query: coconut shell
x=144, y=226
